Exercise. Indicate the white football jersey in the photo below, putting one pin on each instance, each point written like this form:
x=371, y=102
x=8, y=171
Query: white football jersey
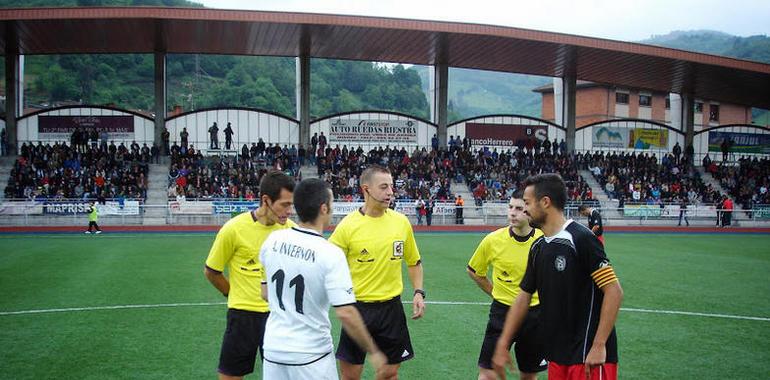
x=305, y=274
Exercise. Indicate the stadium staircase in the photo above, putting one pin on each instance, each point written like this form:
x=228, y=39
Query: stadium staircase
x=609, y=206
x=156, y=204
x=6, y=164
x=709, y=179
x=309, y=171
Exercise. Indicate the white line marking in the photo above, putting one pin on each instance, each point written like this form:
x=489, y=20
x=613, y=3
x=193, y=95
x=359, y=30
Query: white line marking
x=457, y=303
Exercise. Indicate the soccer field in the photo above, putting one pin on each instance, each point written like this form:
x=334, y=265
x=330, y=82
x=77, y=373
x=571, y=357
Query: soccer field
x=137, y=306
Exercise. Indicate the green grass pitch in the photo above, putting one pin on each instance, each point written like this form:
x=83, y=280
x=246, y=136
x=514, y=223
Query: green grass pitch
x=712, y=274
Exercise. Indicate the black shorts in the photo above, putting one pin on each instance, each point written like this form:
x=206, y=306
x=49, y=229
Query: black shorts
x=530, y=349
x=243, y=337
x=386, y=322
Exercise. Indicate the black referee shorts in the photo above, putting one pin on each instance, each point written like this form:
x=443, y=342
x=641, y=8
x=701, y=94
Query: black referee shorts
x=243, y=337
x=529, y=349
x=386, y=322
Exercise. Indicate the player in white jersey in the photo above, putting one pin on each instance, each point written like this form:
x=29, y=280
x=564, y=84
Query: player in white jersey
x=304, y=275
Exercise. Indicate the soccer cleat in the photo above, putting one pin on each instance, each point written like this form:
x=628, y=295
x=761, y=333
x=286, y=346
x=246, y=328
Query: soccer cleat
x=98, y=232
x=88, y=232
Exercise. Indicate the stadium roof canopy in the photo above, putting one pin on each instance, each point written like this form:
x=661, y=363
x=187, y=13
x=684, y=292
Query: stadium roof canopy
x=213, y=31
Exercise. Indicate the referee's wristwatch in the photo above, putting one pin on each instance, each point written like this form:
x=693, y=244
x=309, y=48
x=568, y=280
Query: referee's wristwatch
x=420, y=292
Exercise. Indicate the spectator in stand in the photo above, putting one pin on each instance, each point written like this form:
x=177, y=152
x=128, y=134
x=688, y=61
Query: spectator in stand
x=434, y=142
x=214, y=136
x=165, y=136
x=3, y=143
x=677, y=151
x=228, y=135
x=183, y=136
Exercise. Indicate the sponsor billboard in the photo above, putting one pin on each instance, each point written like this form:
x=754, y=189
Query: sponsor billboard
x=740, y=142
x=406, y=208
x=21, y=208
x=234, y=206
x=380, y=131
x=191, y=207
x=81, y=207
x=643, y=138
x=61, y=127
x=609, y=137
x=504, y=135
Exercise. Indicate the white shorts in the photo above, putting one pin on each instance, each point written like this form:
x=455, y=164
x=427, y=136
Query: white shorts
x=324, y=368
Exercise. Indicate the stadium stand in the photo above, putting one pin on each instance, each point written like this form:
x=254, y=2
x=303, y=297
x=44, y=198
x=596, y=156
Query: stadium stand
x=60, y=171
x=748, y=182
x=640, y=178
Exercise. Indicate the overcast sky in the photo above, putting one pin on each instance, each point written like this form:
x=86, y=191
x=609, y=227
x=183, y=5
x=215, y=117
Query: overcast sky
x=627, y=20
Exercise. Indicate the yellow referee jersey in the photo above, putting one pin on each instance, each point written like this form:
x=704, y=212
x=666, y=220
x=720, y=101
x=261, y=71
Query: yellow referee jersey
x=375, y=248
x=508, y=258
x=237, y=248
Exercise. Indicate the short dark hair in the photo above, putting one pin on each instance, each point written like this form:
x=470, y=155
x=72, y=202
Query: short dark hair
x=582, y=208
x=273, y=182
x=366, y=176
x=550, y=185
x=309, y=195
x=518, y=194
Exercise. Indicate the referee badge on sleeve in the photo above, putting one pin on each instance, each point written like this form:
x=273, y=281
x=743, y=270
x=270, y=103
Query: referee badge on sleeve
x=398, y=249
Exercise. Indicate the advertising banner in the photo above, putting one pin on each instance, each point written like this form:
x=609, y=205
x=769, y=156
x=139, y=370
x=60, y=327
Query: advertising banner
x=406, y=208
x=191, y=208
x=234, y=206
x=740, y=142
x=81, y=207
x=504, y=135
x=21, y=208
x=61, y=127
x=642, y=138
x=380, y=131
x=642, y=211
x=608, y=137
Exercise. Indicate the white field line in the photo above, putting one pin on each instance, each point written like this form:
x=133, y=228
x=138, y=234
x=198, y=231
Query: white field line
x=454, y=303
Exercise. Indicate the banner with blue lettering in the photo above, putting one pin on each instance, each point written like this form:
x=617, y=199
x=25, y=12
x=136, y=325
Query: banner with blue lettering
x=740, y=142
x=233, y=206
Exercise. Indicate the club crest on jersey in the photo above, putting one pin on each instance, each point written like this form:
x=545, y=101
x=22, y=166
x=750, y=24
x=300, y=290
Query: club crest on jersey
x=560, y=263
x=398, y=249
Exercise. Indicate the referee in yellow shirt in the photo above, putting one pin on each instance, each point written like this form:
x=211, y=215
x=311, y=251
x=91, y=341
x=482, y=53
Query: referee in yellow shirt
x=506, y=250
x=376, y=240
x=237, y=248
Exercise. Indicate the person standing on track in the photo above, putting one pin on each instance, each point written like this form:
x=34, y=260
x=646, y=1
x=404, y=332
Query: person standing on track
x=595, y=223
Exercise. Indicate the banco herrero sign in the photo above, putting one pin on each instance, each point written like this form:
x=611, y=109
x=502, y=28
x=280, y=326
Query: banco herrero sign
x=379, y=131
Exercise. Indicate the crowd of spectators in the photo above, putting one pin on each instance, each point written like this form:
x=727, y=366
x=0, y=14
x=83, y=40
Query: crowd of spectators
x=495, y=176
x=82, y=171
x=195, y=176
x=642, y=179
x=422, y=173
x=748, y=182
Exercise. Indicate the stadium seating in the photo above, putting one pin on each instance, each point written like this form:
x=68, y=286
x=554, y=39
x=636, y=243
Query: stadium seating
x=748, y=182
x=59, y=171
x=640, y=178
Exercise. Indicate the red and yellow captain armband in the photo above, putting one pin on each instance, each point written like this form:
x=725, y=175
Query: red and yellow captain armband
x=603, y=276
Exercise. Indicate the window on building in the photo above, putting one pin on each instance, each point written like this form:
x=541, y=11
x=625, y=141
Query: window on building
x=645, y=100
x=714, y=112
x=668, y=102
x=621, y=98
x=698, y=107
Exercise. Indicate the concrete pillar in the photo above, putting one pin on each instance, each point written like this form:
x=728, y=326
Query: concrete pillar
x=160, y=95
x=688, y=118
x=303, y=98
x=11, y=89
x=675, y=112
x=569, y=84
x=441, y=75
